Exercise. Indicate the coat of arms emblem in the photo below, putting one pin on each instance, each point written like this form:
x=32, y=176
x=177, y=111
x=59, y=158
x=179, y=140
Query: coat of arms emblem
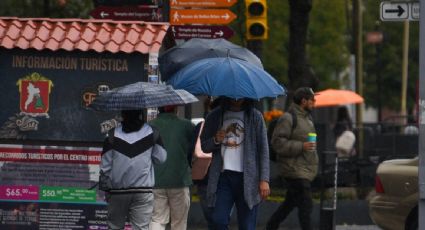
x=34, y=91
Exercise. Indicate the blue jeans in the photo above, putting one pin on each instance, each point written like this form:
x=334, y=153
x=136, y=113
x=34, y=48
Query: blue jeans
x=230, y=192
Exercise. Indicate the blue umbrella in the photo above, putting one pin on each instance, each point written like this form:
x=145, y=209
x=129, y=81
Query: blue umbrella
x=228, y=77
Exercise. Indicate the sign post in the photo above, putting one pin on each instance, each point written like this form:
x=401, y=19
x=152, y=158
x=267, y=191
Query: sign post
x=421, y=106
x=201, y=18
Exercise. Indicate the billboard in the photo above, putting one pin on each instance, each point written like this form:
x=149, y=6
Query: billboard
x=45, y=94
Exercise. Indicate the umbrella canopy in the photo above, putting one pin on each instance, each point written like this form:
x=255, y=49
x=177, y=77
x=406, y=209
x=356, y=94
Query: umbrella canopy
x=141, y=95
x=336, y=97
x=195, y=49
x=228, y=77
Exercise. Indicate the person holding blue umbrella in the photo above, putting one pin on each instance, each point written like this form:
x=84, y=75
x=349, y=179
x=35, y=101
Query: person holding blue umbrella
x=235, y=133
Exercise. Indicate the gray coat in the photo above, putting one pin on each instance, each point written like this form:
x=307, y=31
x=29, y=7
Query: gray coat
x=256, y=165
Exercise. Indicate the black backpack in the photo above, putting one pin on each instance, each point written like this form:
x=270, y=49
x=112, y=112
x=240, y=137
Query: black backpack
x=272, y=126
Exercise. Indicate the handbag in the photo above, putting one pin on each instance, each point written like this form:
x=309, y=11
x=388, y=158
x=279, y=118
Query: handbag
x=345, y=143
x=200, y=161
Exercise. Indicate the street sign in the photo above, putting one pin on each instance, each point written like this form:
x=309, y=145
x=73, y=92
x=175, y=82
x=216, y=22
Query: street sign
x=201, y=16
x=202, y=3
x=208, y=32
x=374, y=37
x=126, y=13
x=414, y=10
x=399, y=11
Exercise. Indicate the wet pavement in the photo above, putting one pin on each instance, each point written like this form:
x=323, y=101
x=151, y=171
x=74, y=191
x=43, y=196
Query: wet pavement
x=344, y=218
x=338, y=227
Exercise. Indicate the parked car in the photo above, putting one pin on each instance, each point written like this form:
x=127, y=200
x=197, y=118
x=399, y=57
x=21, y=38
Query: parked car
x=395, y=204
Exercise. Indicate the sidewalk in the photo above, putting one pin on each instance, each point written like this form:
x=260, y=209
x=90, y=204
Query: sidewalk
x=338, y=227
x=345, y=220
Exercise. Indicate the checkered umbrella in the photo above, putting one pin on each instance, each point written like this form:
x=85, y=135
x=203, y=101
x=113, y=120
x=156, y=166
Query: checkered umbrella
x=141, y=95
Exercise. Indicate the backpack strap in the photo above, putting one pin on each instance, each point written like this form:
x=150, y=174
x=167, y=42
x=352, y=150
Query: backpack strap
x=111, y=136
x=294, y=120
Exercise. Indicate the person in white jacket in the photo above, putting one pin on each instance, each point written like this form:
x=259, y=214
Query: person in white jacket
x=126, y=170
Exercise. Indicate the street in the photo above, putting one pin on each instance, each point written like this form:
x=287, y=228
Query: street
x=344, y=218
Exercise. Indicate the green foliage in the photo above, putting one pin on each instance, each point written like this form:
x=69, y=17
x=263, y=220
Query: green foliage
x=275, y=51
x=326, y=46
x=327, y=49
x=390, y=58
x=50, y=8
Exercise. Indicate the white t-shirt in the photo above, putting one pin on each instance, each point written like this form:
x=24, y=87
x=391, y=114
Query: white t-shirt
x=232, y=145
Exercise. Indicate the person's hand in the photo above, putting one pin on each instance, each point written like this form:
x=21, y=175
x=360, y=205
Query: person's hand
x=219, y=136
x=309, y=146
x=264, y=189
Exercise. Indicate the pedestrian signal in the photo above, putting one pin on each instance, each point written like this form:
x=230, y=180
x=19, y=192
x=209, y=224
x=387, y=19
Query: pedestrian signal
x=256, y=19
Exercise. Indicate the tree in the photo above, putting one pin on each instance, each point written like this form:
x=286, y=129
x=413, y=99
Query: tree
x=300, y=72
x=324, y=45
x=46, y=8
x=390, y=59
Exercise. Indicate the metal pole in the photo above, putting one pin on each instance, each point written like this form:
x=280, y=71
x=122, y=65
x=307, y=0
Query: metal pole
x=328, y=205
x=358, y=51
x=378, y=48
x=421, y=116
x=404, y=72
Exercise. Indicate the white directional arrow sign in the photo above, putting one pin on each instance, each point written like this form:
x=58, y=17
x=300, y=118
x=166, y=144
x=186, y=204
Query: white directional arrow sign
x=394, y=11
x=399, y=11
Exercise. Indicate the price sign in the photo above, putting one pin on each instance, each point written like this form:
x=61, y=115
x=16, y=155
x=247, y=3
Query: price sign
x=16, y=192
x=65, y=194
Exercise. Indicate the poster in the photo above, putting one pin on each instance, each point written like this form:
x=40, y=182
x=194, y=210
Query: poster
x=50, y=187
x=46, y=95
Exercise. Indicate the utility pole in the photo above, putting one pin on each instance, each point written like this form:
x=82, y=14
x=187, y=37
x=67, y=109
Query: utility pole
x=421, y=105
x=358, y=52
x=404, y=73
x=256, y=46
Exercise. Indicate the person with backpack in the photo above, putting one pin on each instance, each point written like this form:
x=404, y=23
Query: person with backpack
x=127, y=173
x=297, y=158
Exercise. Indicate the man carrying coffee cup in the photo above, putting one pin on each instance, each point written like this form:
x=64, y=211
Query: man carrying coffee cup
x=295, y=148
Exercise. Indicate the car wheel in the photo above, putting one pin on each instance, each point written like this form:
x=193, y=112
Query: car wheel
x=412, y=220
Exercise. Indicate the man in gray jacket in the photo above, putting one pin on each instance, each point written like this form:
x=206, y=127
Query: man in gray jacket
x=127, y=172
x=297, y=158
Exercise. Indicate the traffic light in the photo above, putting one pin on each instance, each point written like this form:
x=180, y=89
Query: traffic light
x=256, y=19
